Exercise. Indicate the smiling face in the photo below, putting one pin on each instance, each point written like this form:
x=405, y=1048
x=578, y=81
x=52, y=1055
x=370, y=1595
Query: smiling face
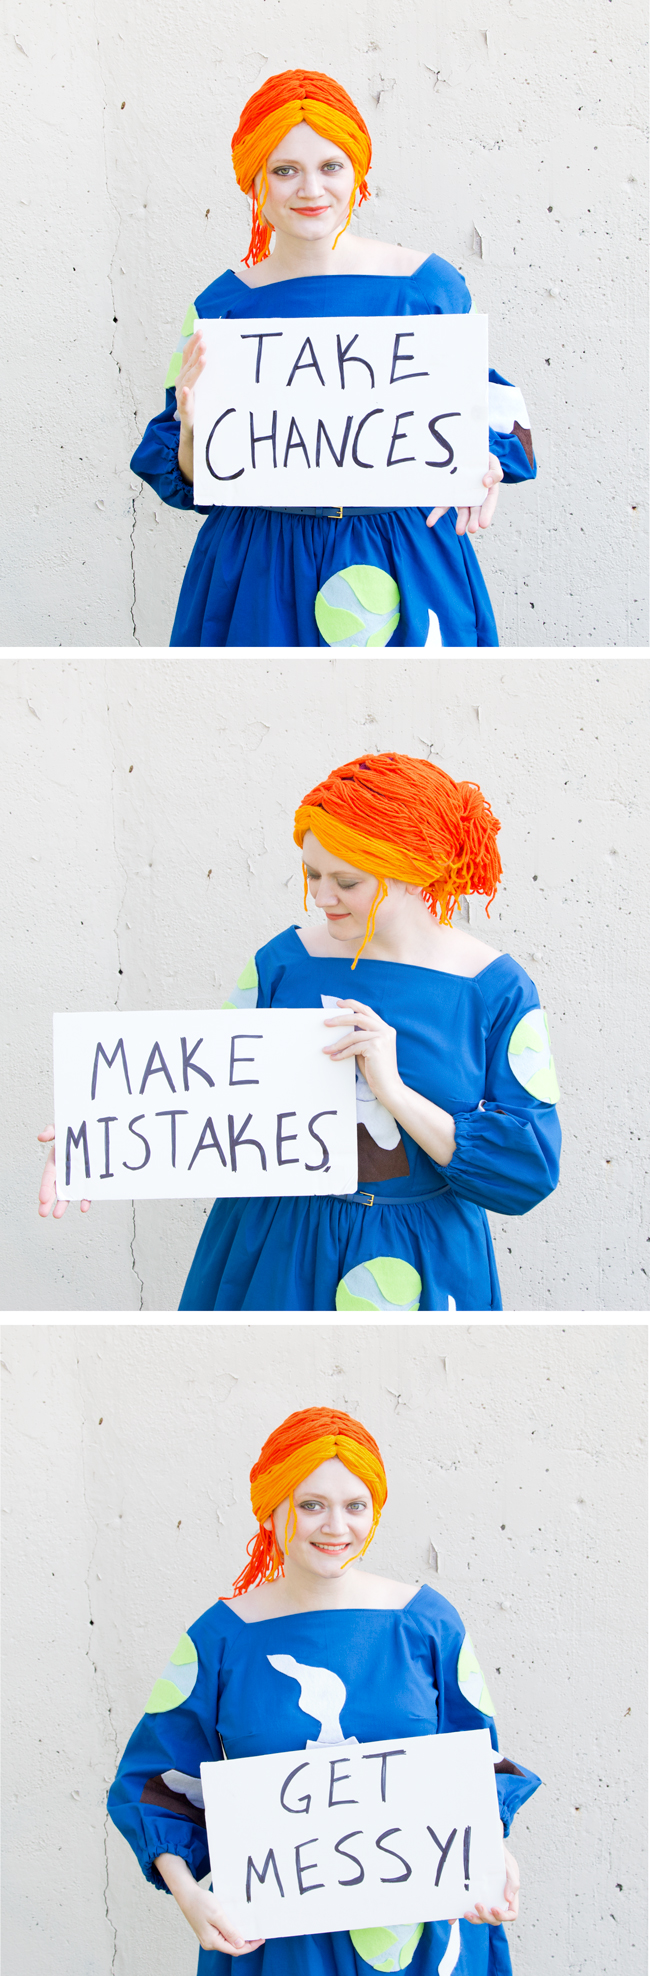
x=334, y=1512
x=311, y=183
x=345, y=894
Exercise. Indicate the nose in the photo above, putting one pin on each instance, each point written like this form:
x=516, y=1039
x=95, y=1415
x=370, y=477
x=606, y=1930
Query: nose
x=325, y=893
x=336, y=1523
x=311, y=187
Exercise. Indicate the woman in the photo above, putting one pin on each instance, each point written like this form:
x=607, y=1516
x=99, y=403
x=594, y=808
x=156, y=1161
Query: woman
x=455, y=1081
x=456, y=1087
x=273, y=576
x=397, y=1662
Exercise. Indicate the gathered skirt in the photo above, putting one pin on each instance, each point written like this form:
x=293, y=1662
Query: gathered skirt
x=255, y=577
x=331, y=1253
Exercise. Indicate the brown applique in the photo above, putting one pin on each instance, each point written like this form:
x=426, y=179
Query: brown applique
x=157, y=1792
x=377, y=1162
x=524, y=434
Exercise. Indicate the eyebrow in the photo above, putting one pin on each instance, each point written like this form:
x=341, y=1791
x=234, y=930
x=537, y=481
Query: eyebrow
x=330, y=157
x=350, y=872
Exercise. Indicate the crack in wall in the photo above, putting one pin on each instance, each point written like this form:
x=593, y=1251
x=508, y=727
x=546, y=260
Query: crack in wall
x=134, y=1266
x=134, y=517
x=105, y=1707
x=124, y=383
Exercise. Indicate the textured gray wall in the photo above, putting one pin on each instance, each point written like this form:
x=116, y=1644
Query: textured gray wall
x=507, y=139
x=151, y=852
x=127, y=1453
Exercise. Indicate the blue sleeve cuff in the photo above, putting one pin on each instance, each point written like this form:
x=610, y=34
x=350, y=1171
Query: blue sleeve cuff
x=514, y=1786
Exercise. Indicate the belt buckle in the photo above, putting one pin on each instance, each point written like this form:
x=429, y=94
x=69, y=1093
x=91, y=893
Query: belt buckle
x=367, y=1200
x=338, y=517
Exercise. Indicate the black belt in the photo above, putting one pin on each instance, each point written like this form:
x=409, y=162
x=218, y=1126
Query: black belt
x=364, y=1199
x=339, y=514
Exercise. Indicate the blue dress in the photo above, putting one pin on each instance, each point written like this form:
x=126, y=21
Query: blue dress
x=255, y=573
x=411, y=1672
x=415, y=1235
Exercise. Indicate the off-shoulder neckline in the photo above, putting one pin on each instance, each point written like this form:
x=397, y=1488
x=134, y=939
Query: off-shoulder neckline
x=326, y=959
x=289, y=280
x=320, y=1613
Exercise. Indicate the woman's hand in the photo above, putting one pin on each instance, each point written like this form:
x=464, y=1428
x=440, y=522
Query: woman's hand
x=510, y=1905
x=48, y=1197
x=375, y=1045
x=194, y=362
x=471, y=519
x=201, y=1908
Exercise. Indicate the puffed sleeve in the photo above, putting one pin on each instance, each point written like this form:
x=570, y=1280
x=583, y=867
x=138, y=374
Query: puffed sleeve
x=443, y=291
x=510, y=433
x=156, y=1801
x=156, y=457
x=464, y=1701
x=507, y=1153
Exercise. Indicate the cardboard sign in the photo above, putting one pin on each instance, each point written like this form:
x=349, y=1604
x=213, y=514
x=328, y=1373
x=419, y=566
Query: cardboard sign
x=367, y=411
x=220, y=1102
x=355, y=1836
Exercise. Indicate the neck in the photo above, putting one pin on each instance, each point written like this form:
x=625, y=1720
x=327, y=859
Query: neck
x=304, y=257
x=303, y=1591
x=410, y=937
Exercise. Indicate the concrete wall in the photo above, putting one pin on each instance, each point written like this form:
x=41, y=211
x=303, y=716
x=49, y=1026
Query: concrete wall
x=151, y=852
x=507, y=138
x=126, y=1513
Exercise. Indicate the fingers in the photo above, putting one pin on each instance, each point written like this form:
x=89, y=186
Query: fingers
x=47, y=1189
x=468, y=521
x=492, y=1915
x=48, y=1201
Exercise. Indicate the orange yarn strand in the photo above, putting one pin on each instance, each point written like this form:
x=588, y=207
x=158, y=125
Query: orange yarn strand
x=291, y=1453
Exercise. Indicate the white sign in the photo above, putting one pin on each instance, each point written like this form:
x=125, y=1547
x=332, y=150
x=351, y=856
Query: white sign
x=355, y=1836
x=220, y=1102
x=359, y=411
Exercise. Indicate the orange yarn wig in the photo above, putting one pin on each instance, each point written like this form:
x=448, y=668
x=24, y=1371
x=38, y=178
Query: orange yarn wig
x=398, y=817
x=297, y=96
x=291, y=1453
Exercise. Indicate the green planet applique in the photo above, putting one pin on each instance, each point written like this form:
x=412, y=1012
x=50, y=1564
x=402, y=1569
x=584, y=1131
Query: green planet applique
x=189, y=325
x=358, y=606
x=470, y=1679
x=177, y=1680
x=244, y=996
x=387, y=1948
x=386, y=1283
x=530, y=1059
